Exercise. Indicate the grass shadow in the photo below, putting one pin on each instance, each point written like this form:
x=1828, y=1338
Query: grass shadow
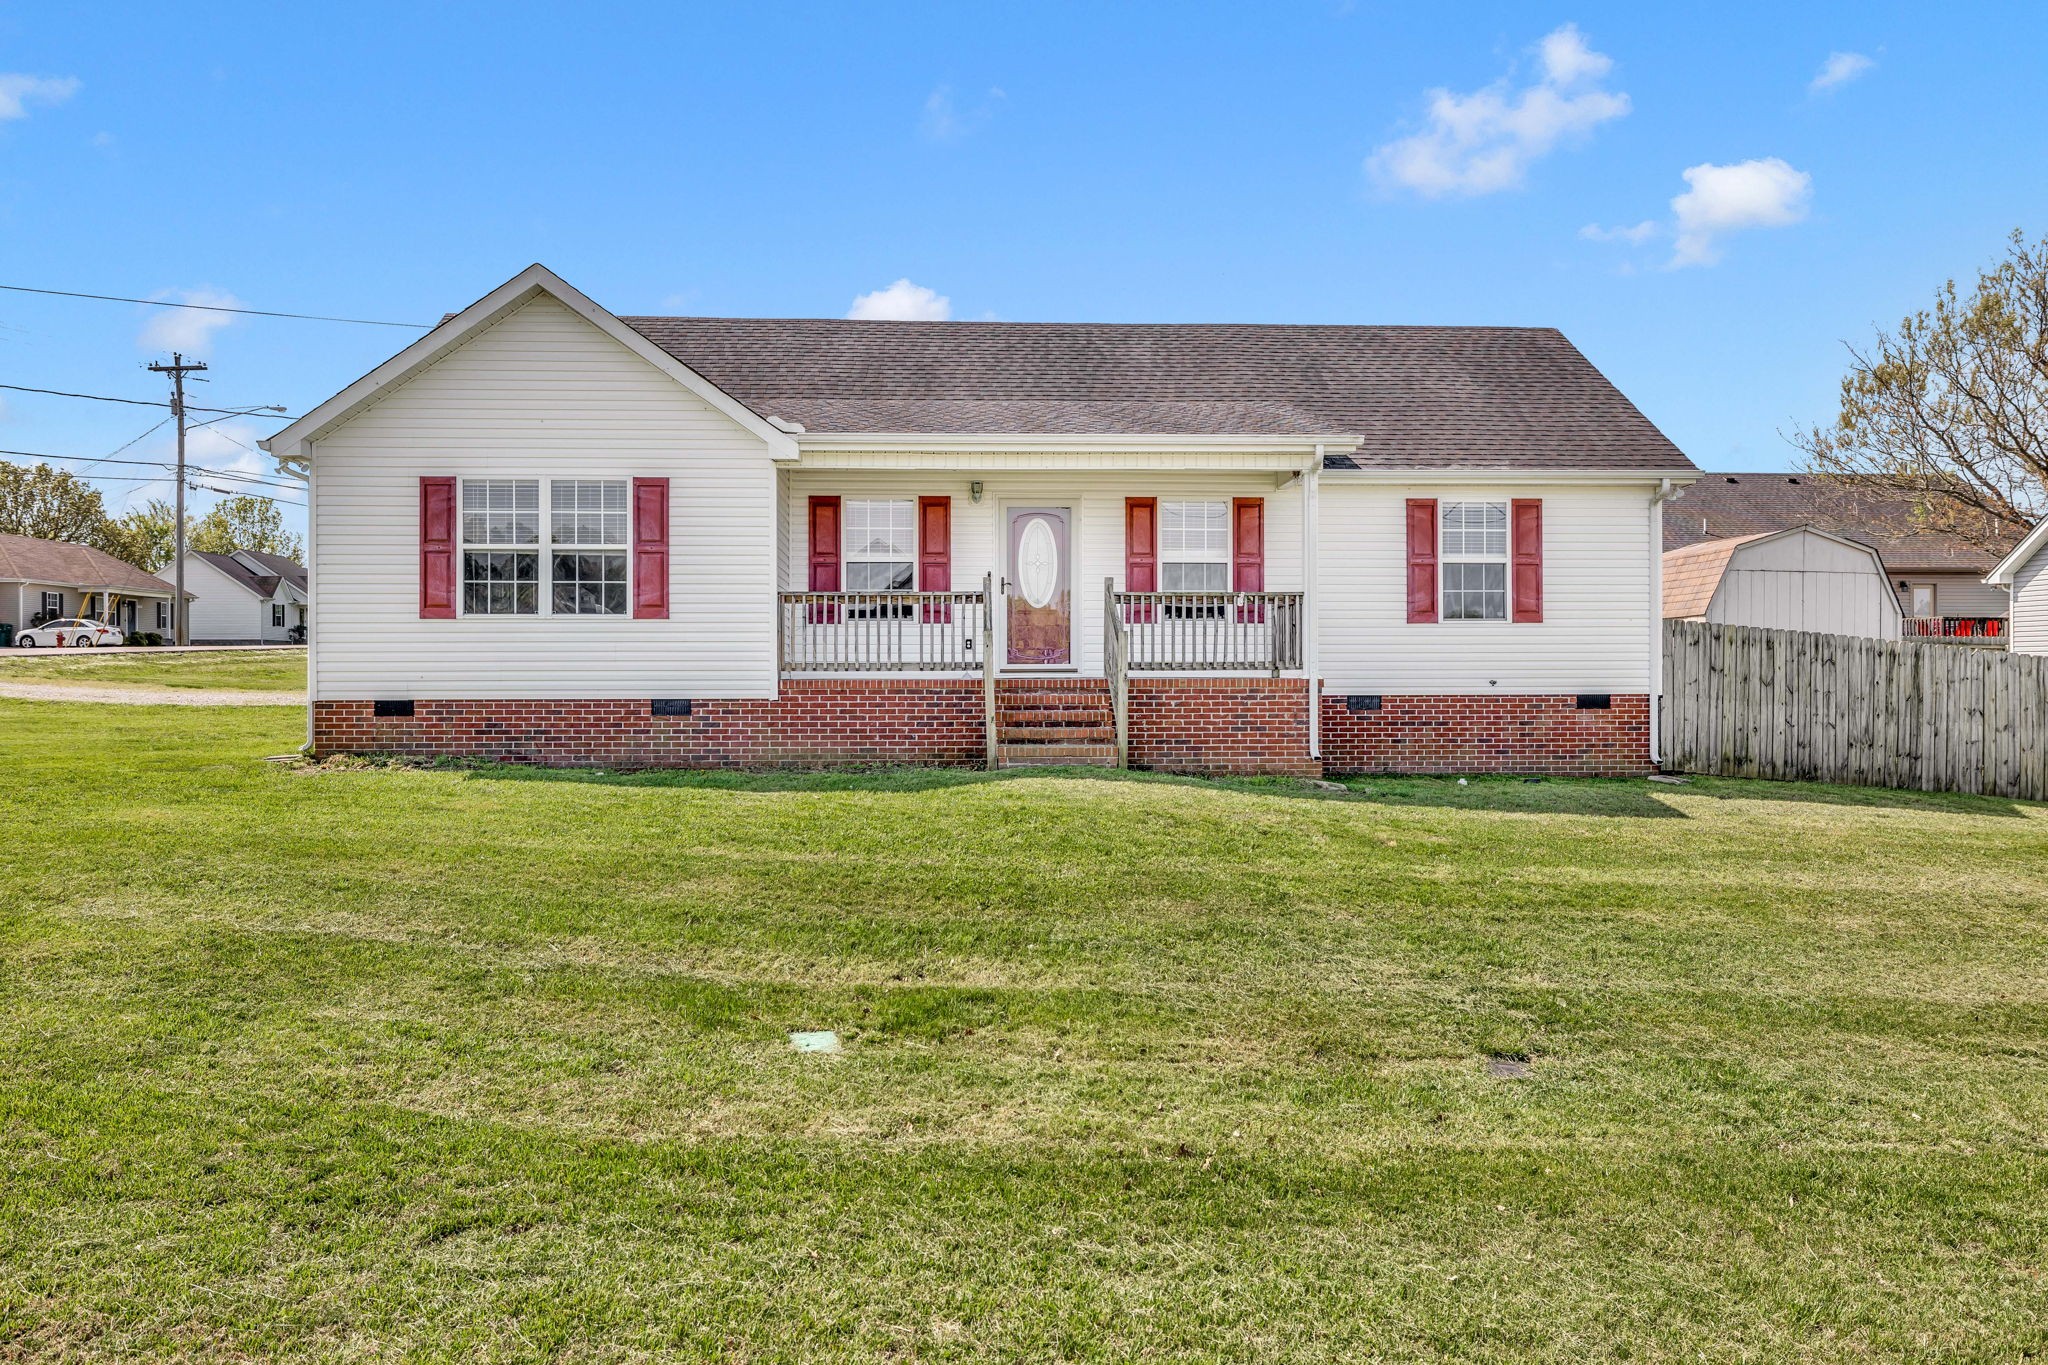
x=1613, y=797
x=1837, y=794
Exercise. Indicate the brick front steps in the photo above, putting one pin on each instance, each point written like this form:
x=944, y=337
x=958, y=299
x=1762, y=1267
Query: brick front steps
x=1046, y=721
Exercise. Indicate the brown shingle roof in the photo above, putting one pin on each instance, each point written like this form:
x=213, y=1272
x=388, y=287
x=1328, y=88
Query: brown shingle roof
x=1422, y=397
x=28, y=560
x=1742, y=504
x=1692, y=574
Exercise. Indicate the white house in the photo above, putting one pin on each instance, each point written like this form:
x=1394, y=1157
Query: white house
x=1798, y=579
x=248, y=597
x=2021, y=574
x=549, y=533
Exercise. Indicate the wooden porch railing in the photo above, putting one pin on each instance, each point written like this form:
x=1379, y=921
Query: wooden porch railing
x=1985, y=631
x=1224, y=631
x=882, y=632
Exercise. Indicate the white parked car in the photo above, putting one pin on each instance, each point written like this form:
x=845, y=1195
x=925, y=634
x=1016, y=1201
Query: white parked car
x=70, y=631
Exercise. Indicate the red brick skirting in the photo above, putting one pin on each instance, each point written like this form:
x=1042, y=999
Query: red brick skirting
x=814, y=723
x=1221, y=725
x=1475, y=734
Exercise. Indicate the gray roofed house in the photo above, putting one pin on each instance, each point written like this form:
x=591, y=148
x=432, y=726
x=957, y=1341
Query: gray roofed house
x=547, y=532
x=248, y=597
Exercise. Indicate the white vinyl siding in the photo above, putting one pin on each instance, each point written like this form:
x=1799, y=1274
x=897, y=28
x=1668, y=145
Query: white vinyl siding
x=1595, y=635
x=1096, y=530
x=542, y=394
x=2030, y=606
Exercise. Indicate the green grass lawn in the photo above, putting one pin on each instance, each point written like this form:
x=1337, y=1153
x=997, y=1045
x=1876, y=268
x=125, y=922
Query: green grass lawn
x=241, y=670
x=492, y=1064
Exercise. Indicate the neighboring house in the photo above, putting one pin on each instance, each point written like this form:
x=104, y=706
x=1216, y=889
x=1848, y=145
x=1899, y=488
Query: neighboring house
x=248, y=597
x=42, y=580
x=1937, y=575
x=1801, y=579
x=2021, y=573
x=549, y=533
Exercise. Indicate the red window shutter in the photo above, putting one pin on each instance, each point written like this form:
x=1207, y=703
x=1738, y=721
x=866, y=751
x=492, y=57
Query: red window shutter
x=1248, y=552
x=650, y=549
x=437, y=549
x=934, y=544
x=1141, y=550
x=824, y=535
x=1525, y=522
x=1248, y=545
x=935, y=553
x=1422, y=596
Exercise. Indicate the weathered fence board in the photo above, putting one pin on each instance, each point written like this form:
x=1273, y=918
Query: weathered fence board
x=1743, y=702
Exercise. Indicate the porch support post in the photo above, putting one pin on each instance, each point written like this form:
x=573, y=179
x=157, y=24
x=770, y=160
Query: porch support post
x=988, y=669
x=1311, y=655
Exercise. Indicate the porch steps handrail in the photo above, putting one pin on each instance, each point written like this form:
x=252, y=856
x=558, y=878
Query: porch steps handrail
x=1116, y=651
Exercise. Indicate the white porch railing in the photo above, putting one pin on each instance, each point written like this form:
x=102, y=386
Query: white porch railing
x=1235, y=632
x=882, y=632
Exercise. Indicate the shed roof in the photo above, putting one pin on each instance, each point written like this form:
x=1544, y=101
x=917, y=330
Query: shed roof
x=1692, y=574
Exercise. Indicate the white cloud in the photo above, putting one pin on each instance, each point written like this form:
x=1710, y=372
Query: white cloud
x=943, y=120
x=1485, y=141
x=1839, y=69
x=903, y=302
x=1724, y=199
x=18, y=92
x=187, y=329
x=1633, y=236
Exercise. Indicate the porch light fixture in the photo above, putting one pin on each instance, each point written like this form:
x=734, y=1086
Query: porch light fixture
x=974, y=491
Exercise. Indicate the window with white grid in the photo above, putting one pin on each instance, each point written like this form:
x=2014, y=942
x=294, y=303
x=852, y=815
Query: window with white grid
x=500, y=547
x=1475, y=561
x=1194, y=546
x=879, y=545
x=587, y=531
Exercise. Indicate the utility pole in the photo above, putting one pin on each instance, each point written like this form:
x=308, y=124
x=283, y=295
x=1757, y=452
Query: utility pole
x=177, y=370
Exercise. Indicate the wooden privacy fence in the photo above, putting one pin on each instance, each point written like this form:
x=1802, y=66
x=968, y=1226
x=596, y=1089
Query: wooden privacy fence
x=1744, y=702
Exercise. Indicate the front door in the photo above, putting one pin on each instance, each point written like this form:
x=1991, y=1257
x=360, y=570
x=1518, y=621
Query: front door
x=1038, y=598
x=1923, y=600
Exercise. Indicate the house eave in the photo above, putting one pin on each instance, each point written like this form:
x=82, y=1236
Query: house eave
x=1510, y=474
x=1292, y=443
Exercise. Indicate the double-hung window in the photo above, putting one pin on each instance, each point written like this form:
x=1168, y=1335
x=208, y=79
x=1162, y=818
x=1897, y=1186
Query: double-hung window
x=879, y=545
x=587, y=531
x=277, y=613
x=53, y=603
x=580, y=544
x=1475, y=561
x=1194, y=547
x=163, y=615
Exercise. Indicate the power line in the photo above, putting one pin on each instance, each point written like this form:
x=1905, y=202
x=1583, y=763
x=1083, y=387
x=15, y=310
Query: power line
x=260, y=411
x=215, y=308
x=261, y=479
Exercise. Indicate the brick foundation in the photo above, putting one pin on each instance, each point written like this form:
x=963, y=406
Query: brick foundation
x=1218, y=726
x=814, y=723
x=1221, y=726
x=1483, y=734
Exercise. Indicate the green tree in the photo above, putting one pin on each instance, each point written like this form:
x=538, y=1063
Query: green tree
x=1952, y=408
x=245, y=522
x=51, y=504
x=149, y=534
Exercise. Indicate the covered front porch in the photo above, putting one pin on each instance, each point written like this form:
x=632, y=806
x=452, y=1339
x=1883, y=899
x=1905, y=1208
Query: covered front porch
x=1054, y=587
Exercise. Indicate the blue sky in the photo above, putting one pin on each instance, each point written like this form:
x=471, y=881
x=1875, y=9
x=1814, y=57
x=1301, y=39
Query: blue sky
x=1184, y=162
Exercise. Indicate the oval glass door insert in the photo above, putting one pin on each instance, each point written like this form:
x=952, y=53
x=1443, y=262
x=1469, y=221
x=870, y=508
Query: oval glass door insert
x=1038, y=562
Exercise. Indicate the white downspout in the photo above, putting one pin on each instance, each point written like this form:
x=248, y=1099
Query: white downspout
x=1311, y=554
x=312, y=590
x=1657, y=618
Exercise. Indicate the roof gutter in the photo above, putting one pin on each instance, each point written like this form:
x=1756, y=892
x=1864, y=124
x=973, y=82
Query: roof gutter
x=1107, y=441
x=1668, y=480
